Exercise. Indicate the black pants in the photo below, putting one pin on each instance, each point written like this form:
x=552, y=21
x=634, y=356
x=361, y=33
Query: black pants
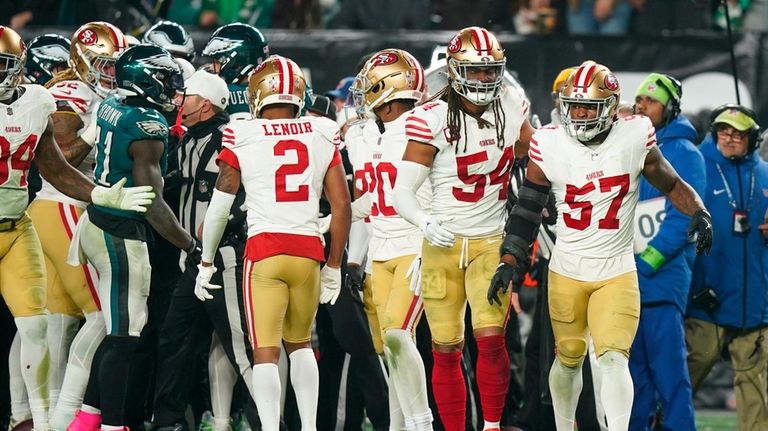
x=343, y=329
x=186, y=336
x=536, y=413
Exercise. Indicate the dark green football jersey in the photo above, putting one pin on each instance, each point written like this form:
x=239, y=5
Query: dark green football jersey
x=119, y=125
x=238, y=99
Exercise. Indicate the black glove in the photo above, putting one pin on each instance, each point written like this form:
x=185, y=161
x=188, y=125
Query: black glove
x=505, y=274
x=354, y=277
x=701, y=224
x=194, y=254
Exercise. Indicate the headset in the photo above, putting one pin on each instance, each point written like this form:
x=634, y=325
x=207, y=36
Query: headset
x=754, y=133
x=675, y=90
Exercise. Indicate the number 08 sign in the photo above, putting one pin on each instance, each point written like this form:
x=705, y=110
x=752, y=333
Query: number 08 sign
x=648, y=217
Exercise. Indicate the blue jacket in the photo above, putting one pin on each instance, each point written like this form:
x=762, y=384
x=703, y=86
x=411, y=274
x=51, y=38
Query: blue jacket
x=737, y=268
x=670, y=283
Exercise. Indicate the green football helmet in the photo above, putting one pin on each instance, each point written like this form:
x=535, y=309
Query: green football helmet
x=149, y=72
x=237, y=48
x=45, y=54
x=173, y=37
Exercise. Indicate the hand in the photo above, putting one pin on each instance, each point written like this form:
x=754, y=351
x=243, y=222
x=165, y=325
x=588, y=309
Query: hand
x=355, y=276
x=414, y=274
x=324, y=224
x=436, y=234
x=701, y=224
x=203, y=282
x=506, y=275
x=194, y=253
x=88, y=132
x=128, y=198
x=330, y=284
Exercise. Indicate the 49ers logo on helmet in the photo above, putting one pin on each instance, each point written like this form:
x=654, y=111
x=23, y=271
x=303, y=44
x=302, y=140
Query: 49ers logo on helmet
x=384, y=59
x=87, y=37
x=611, y=82
x=455, y=44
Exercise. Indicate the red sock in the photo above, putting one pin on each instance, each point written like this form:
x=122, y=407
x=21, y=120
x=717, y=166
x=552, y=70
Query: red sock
x=492, y=375
x=449, y=389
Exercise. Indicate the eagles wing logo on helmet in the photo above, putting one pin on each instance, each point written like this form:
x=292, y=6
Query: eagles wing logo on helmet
x=87, y=37
x=158, y=61
x=220, y=44
x=51, y=52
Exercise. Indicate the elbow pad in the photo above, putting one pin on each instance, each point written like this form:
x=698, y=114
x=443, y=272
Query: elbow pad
x=216, y=218
x=410, y=176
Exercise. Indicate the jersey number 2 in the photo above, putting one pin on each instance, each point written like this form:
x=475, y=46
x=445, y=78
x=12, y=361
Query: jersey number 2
x=282, y=194
x=18, y=159
x=610, y=221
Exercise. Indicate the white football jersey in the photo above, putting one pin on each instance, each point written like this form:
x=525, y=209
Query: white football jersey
x=282, y=166
x=22, y=124
x=596, y=192
x=374, y=156
x=79, y=97
x=470, y=173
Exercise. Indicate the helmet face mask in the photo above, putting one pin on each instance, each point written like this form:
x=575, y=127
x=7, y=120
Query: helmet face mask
x=594, y=87
x=476, y=65
x=13, y=55
x=95, y=47
x=277, y=80
x=390, y=74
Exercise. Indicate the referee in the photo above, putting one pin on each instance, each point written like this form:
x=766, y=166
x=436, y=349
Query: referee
x=185, y=333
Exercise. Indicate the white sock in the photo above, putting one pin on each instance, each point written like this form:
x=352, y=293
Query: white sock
x=420, y=421
x=89, y=409
x=220, y=423
x=617, y=391
x=112, y=427
x=397, y=421
x=81, y=355
x=222, y=381
x=565, y=384
x=34, y=365
x=305, y=379
x=19, y=403
x=267, y=396
x=407, y=373
x=61, y=330
x=491, y=425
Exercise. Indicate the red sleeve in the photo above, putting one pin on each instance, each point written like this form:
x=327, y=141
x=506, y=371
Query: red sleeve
x=229, y=157
x=336, y=160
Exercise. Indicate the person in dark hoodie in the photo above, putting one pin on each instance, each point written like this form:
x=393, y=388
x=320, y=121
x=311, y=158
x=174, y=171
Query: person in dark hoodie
x=664, y=258
x=729, y=304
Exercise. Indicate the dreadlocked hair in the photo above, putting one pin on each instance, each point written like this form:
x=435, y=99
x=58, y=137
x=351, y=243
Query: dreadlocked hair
x=64, y=75
x=457, y=118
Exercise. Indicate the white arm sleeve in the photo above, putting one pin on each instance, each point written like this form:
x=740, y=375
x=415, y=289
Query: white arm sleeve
x=358, y=242
x=410, y=176
x=361, y=207
x=216, y=218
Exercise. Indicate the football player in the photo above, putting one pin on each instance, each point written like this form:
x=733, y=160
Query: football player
x=28, y=133
x=284, y=164
x=173, y=37
x=131, y=143
x=465, y=143
x=592, y=163
x=387, y=88
x=77, y=90
x=236, y=49
x=48, y=55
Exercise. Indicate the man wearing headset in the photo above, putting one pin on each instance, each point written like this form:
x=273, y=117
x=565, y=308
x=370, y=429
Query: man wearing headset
x=728, y=305
x=664, y=259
